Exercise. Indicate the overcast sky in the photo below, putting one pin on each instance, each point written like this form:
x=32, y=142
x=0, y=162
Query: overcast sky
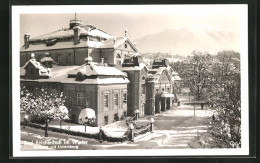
x=139, y=23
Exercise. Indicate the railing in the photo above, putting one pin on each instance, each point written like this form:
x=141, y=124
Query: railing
x=102, y=135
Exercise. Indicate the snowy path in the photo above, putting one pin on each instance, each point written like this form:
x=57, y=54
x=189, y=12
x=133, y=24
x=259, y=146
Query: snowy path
x=175, y=128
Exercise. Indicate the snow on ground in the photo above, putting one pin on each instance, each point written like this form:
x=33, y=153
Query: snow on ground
x=175, y=128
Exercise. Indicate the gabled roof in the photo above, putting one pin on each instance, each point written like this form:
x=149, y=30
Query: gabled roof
x=43, y=71
x=116, y=42
x=155, y=74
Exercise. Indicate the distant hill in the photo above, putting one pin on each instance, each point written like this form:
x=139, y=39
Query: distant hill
x=186, y=39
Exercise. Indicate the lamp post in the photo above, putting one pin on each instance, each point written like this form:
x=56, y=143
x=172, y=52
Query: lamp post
x=136, y=114
x=100, y=134
x=25, y=120
x=131, y=127
x=151, y=123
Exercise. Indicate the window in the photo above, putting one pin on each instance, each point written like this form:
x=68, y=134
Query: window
x=125, y=45
x=106, y=120
x=157, y=90
x=143, y=88
x=118, y=56
x=116, y=118
x=168, y=89
x=118, y=62
x=162, y=89
x=74, y=101
x=124, y=98
x=106, y=101
x=87, y=102
x=115, y=99
x=124, y=113
x=80, y=99
x=118, y=59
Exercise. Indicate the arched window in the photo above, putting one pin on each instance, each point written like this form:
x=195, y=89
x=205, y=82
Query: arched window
x=118, y=56
x=118, y=59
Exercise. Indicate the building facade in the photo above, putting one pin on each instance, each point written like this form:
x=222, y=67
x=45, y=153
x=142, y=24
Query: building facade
x=70, y=46
x=98, y=71
x=137, y=74
x=159, y=87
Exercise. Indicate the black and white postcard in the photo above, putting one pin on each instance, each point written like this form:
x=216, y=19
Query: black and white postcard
x=130, y=80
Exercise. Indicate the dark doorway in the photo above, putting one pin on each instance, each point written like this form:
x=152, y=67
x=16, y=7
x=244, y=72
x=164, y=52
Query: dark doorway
x=157, y=104
x=163, y=103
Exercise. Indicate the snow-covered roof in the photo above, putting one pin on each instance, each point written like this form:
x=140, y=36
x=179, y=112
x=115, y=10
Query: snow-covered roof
x=98, y=81
x=62, y=45
x=58, y=73
x=43, y=71
x=157, y=71
x=116, y=42
x=66, y=32
x=140, y=67
x=176, y=78
x=44, y=59
x=97, y=69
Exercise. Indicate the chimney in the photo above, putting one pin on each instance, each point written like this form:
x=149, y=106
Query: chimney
x=125, y=32
x=47, y=60
x=26, y=40
x=32, y=57
x=76, y=30
x=114, y=40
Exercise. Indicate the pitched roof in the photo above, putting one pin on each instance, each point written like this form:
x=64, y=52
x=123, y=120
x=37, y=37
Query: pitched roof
x=66, y=32
x=116, y=42
x=62, y=45
x=97, y=69
x=97, y=81
x=58, y=73
x=140, y=67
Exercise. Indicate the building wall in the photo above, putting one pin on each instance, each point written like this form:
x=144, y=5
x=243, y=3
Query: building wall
x=95, y=93
x=112, y=109
x=108, y=55
x=65, y=57
x=136, y=100
x=80, y=55
x=95, y=54
x=71, y=91
x=154, y=91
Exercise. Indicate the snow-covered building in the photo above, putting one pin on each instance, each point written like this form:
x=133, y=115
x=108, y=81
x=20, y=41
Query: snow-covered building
x=101, y=88
x=96, y=70
x=91, y=85
x=137, y=74
x=159, y=87
x=69, y=46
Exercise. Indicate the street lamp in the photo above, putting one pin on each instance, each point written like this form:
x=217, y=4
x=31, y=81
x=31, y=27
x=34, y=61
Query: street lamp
x=151, y=123
x=136, y=114
x=131, y=127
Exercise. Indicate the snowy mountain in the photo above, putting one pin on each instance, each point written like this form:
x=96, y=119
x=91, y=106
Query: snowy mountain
x=186, y=39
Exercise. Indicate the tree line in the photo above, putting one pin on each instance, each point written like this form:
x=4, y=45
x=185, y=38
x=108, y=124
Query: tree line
x=216, y=79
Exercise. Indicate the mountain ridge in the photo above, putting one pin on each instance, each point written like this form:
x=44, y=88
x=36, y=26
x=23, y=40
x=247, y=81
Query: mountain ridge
x=184, y=40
